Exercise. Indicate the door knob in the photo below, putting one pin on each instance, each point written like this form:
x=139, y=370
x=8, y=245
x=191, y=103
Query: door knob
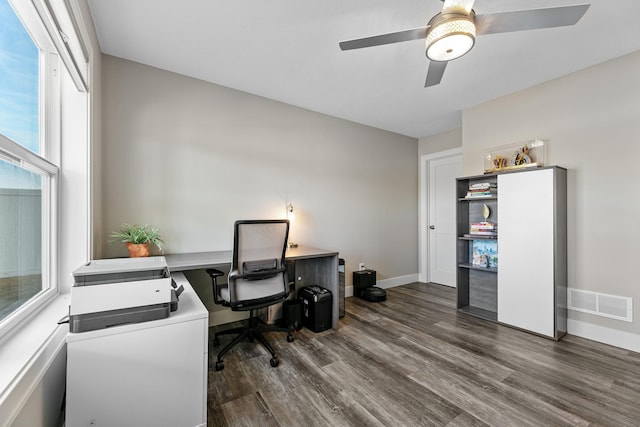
x=432, y=227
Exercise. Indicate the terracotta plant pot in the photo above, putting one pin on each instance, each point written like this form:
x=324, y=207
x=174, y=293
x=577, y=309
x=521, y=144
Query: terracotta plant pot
x=137, y=250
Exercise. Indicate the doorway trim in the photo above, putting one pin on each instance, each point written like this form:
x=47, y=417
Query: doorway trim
x=423, y=209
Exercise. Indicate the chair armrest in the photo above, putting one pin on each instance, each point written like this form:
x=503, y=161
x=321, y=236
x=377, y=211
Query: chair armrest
x=214, y=274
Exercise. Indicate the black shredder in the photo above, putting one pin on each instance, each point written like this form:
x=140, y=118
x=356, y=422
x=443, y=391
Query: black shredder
x=316, y=308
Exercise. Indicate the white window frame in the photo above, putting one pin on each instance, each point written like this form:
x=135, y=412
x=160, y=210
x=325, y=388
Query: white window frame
x=46, y=164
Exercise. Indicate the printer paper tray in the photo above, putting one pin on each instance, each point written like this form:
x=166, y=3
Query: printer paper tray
x=106, y=319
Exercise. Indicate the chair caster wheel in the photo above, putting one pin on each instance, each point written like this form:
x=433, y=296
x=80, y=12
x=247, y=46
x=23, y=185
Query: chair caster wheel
x=219, y=365
x=216, y=342
x=290, y=338
x=274, y=361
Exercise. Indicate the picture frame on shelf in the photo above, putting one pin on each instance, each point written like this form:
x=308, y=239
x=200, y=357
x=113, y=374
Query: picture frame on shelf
x=485, y=253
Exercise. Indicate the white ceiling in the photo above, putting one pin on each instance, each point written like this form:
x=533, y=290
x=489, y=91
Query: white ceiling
x=287, y=50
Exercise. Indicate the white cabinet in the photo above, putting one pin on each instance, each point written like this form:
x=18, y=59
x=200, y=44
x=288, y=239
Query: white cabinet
x=528, y=287
x=145, y=374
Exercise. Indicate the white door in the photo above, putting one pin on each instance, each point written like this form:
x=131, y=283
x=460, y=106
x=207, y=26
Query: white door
x=442, y=219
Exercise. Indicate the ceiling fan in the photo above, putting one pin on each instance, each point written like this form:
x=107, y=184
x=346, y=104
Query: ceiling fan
x=452, y=32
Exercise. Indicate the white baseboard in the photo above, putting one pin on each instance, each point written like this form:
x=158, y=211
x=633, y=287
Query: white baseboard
x=397, y=281
x=605, y=335
x=387, y=283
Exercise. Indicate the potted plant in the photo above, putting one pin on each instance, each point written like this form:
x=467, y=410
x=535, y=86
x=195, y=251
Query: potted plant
x=137, y=238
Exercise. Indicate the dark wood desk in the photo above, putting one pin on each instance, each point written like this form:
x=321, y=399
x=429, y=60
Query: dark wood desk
x=311, y=266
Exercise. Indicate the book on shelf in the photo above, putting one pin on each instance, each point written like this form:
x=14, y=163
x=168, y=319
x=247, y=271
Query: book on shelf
x=485, y=225
x=481, y=190
x=483, y=186
x=481, y=195
x=483, y=228
x=484, y=235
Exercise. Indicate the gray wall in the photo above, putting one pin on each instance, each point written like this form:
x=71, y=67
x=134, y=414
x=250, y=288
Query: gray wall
x=191, y=157
x=440, y=142
x=592, y=119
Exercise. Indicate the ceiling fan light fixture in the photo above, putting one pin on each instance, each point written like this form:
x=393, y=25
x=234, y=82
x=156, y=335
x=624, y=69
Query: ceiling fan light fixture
x=450, y=36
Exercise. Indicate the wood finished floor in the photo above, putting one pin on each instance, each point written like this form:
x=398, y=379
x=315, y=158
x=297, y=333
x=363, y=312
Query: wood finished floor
x=413, y=360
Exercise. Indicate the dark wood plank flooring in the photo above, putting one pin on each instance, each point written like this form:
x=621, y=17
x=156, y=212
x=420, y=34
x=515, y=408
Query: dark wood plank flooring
x=413, y=360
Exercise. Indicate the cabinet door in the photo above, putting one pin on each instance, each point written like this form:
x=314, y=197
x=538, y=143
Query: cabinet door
x=525, y=250
x=147, y=377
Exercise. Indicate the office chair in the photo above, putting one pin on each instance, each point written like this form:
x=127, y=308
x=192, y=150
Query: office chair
x=257, y=279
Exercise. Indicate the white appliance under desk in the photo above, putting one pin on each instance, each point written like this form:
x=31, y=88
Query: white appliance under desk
x=144, y=374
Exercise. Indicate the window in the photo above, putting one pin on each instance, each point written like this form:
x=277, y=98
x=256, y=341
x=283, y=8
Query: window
x=28, y=170
x=19, y=81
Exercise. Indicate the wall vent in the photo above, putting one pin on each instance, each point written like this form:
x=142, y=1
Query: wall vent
x=612, y=306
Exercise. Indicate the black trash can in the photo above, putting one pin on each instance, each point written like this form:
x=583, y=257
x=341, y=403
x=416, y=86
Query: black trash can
x=292, y=314
x=341, y=287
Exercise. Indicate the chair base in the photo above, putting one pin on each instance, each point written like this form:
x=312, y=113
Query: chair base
x=253, y=331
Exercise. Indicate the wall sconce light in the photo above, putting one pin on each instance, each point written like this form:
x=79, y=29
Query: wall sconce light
x=290, y=216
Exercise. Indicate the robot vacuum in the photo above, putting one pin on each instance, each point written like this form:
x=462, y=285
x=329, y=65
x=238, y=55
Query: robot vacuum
x=373, y=294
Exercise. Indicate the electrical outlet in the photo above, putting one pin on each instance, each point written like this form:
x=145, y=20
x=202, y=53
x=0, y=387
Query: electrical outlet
x=361, y=266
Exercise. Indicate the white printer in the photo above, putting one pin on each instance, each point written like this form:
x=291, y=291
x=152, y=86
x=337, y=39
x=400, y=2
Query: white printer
x=112, y=292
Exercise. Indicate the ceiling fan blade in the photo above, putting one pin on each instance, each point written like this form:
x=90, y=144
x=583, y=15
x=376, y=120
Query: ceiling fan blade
x=461, y=6
x=529, y=19
x=399, y=36
x=434, y=75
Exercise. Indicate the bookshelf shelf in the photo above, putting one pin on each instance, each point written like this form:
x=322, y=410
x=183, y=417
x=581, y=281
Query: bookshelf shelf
x=478, y=237
x=476, y=267
x=481, y=313
x=477, y=199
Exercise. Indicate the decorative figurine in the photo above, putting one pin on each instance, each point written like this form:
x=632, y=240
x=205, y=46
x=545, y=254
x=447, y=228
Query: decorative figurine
x=521, y=156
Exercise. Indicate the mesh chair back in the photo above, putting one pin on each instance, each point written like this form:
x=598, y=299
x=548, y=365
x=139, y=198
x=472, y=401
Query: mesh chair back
x=258, y=276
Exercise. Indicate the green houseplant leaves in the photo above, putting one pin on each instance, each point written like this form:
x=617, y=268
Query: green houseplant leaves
x=138, y=234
